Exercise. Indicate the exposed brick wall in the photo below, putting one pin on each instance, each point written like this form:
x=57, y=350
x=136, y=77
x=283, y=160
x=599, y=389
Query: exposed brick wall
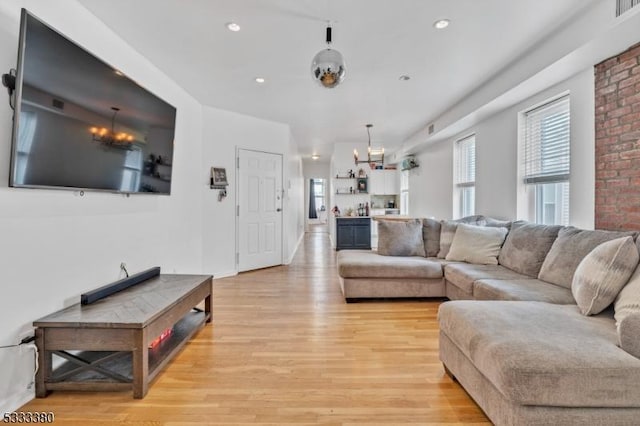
x=617, y=119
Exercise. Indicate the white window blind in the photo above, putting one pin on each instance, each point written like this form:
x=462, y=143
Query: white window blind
x=547, y=147
x=465, y=178
x=466, y=161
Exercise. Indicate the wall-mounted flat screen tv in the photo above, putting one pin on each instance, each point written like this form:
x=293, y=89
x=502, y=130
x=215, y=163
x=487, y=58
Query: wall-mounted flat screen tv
x=81, y=124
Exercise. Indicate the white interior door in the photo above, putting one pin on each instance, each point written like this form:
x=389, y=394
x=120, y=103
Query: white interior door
x=259, y=209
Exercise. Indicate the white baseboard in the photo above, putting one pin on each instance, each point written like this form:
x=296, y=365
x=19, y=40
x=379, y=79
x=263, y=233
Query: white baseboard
x=224, y=274
x=293, y=253
x=14, y=402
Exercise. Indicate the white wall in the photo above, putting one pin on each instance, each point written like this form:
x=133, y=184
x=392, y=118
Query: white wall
x=225, y=132
x=431, y=184
x=55, y=244
x=431, y=189
x=293, y=200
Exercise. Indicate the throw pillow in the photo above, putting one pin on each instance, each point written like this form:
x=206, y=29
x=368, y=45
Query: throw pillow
x=628, y=332
x=497, y=223
x=400, y=238
x=602, y=273
x=476, y=219
x=526, y=247
x=571, y=246
x=477, y=244
x=431, y=237
x=447, y=231
x=628, y=301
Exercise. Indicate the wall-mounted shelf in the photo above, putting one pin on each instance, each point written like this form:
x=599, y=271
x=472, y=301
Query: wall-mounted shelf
x=350, y=178
x=352, y=193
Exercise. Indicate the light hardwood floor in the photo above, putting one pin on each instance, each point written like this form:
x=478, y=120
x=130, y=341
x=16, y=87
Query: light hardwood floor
x=284, y=348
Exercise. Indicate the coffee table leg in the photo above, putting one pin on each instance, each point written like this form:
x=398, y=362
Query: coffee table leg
x=207, y=307
x=44, y=362
x=140, y=356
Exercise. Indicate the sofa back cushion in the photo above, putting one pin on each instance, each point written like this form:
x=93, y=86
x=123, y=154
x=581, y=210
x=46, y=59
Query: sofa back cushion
x=602, y=273
x=477, y=244
x=568, y=250
x=526, y=247
x=400, y=238
x=431, y=237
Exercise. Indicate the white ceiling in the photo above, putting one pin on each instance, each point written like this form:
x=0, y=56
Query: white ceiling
x=380, y=40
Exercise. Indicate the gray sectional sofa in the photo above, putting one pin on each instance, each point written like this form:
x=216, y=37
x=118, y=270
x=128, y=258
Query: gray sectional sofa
x=512, y=334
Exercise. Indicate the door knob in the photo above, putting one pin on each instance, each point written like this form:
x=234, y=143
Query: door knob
x=278, y=209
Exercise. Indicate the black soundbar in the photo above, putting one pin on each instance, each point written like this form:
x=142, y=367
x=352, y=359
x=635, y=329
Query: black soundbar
x=109, y=289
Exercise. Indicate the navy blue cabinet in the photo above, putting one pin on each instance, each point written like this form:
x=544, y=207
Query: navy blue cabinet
x=353, y=233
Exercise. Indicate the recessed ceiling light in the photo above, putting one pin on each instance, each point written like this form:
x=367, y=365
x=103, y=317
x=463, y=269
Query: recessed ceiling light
x=404, y=77
x=441, y=24
x=119, y=73
x=260, y=80
x=232, y=26
x=315, y=156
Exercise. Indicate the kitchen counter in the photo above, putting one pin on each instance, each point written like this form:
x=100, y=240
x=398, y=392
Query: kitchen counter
x=393, y=217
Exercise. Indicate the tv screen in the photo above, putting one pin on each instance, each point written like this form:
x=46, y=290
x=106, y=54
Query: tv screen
x=81, y=124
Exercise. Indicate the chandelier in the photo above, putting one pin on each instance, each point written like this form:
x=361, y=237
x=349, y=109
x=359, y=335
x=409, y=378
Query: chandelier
x=327, y=67
x=110, y=137
x=375, y=157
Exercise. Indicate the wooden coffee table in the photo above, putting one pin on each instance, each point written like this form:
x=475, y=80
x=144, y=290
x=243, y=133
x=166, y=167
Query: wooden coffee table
x=113, y=335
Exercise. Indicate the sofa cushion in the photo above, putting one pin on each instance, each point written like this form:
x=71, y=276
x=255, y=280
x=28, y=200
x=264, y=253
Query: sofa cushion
x=463, y=275
x=447, y=232
x=400, y=238
x=568, y=250
x=431, y=237
x=477, y=244
x=369, y=264
x=530, y=289
x=526, y=247
x=538, y=353
x=602, y=274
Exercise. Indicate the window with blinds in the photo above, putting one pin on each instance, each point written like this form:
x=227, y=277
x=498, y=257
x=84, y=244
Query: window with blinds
x=547, y=160
x=465, y=175
x=547, y=148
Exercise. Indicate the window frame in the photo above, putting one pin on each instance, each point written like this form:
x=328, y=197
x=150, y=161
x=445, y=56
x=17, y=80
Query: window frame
x=533, y=177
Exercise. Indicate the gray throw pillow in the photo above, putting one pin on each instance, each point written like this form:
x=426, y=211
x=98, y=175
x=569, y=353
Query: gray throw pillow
x=476, y=219
x=400, y=238
x=627, y=315
x=628, y=332
x=568, y=250
x=431, y=237
x=527, y=246
x=497, y=223
x=628, y=301
x=602, y=273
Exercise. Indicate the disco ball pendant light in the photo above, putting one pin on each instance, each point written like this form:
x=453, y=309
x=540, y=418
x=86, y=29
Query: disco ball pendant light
x=328, y=67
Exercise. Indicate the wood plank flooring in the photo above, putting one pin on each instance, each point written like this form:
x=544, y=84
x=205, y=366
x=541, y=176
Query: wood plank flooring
x=284, y=348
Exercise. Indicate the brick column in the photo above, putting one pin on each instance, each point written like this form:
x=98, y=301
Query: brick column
x=617, y=120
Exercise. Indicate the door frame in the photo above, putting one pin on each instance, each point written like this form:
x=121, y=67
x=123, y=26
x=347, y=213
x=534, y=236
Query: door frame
x=237, y=203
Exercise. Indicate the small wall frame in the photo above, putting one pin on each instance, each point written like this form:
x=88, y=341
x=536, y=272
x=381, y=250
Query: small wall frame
x=219, y=178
